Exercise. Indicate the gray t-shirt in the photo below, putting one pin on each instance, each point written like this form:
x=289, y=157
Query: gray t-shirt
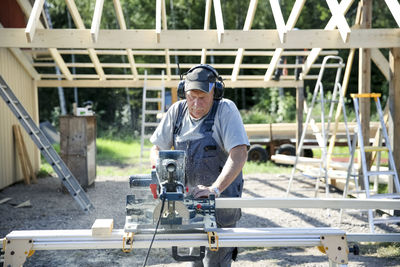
x=228, y=129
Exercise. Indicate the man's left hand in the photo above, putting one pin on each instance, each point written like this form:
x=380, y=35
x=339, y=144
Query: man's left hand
x=202, y=191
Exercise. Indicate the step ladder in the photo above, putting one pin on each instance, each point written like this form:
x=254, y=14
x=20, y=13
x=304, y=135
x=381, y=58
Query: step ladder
x=45, y=147
x=153, y=106
x=322, y=134
x=367, y=173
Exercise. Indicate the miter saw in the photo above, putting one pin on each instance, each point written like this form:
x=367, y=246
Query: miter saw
x=162, y=196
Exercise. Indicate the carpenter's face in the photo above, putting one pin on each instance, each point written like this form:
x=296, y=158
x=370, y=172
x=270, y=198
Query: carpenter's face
x=199, y=102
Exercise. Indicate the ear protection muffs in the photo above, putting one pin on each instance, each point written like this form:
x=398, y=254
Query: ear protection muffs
x=219, y=83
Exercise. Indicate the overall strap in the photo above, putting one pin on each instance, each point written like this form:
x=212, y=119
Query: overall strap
x=181, y=113
x=209, y=121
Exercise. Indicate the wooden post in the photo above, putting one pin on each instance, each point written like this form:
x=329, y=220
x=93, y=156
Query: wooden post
x=394, y=105
x=364, y=77
x=174, y=94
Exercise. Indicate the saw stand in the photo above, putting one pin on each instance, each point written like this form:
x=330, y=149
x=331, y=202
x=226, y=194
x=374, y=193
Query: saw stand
x=18, y=245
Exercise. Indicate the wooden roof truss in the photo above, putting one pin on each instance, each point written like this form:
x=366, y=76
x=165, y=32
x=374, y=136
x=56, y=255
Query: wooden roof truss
x=46, y=47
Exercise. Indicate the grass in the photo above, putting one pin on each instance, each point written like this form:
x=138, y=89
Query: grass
x=121, y=157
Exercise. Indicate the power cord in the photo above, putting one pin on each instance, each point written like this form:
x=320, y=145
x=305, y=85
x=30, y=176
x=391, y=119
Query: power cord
x=155, y=232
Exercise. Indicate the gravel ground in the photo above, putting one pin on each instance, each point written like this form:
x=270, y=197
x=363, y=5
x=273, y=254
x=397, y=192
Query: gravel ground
x=52, y=209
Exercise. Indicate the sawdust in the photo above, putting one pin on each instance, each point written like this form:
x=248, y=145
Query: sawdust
x=52, y=209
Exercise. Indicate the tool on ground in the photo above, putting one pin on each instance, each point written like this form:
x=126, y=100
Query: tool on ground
x=45, y=147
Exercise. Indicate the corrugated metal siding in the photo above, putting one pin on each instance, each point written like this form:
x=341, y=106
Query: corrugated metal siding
x=24, y=88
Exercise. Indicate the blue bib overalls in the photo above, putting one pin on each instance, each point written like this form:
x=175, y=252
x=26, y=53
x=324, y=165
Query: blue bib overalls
x=204, y=162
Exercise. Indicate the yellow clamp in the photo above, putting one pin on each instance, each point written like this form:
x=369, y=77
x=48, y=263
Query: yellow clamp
x=127, y=239
x=30, y=253
x=213, y=241
x=322, y=249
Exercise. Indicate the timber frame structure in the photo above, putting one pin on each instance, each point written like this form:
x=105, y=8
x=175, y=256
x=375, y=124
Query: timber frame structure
x=37, y=46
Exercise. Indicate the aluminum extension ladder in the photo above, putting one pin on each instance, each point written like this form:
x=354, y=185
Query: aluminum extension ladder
x=367, y=174
x=322, y=134
x=45, y=147
x=150, y=111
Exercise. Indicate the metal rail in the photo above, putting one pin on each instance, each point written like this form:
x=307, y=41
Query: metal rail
x=331, y=203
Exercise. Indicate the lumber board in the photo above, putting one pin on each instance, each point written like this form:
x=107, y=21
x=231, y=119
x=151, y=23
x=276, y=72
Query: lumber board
x=198, y=39
x=285, y=159
x=22, y=160
x=31, y=172
x=102, y=227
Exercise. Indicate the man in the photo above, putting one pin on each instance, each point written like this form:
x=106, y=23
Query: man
x=211, y=132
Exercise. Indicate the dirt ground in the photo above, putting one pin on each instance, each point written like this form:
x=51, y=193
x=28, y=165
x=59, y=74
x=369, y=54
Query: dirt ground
x=52, y=209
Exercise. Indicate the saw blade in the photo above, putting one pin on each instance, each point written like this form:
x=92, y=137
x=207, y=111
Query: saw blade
x=178, y=207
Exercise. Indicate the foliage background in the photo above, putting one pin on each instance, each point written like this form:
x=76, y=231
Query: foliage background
x=117, y=117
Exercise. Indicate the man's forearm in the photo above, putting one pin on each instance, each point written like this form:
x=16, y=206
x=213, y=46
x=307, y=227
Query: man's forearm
x=234, y=164
x=154, y=155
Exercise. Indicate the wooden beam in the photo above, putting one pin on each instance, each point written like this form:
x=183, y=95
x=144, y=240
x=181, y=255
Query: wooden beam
x=81, y=27
x=261, y=53
x=60, y=63
x=98, y=10
x=279, y=22
x=76, y=17
x=344, y=7
x=27, y=9
x=247, y=26
x=198, y=39
x=340, y=20
x=394, y=104
x=184, y=65
x=165, y=27
x=394, y=7
x=158, y=20
x=294, y=15
x=364, y=76
x=168, y=84
x=122, y=25
x=274, y=62
x=95, y=59
x=381, y=62
x=33, y=20
x=207, y=16
x=219, y=20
